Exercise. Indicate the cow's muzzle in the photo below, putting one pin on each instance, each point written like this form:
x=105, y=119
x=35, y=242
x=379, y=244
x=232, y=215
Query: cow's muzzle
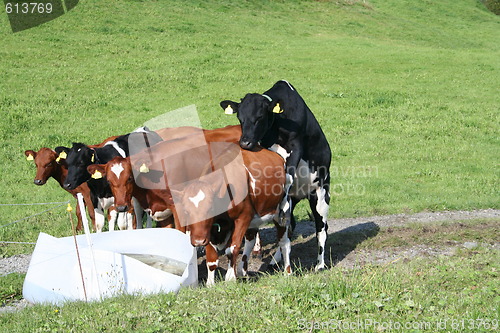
x=38, y=182
x=246, y=144
x=199, y=242
x=122, y=208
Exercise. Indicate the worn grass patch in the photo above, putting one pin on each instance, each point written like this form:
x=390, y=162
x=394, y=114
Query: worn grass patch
x=446, y=233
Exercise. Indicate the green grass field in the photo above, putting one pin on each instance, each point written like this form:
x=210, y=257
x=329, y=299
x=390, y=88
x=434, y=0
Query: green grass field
x=406, y=92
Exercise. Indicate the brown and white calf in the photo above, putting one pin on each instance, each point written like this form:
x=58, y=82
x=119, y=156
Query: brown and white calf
x=250, y=189
x=120, y=176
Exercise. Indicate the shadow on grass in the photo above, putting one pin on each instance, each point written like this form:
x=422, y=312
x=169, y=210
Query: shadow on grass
x=304, y=250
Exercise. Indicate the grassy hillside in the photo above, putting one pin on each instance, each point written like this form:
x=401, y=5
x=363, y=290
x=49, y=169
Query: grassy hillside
x=406, y=91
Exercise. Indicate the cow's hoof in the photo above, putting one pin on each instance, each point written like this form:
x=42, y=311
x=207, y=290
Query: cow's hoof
x=319, y=267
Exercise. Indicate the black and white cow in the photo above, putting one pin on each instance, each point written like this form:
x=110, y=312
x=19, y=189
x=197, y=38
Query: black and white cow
x=80, y=156
x=280, y=120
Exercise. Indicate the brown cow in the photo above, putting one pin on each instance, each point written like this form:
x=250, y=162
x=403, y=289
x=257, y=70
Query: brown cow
x=250, y=190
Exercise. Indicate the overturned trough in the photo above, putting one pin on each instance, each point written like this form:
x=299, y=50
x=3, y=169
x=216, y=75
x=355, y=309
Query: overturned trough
x=108, y=264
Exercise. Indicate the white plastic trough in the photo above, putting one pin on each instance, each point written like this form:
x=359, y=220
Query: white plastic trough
x=143, y=261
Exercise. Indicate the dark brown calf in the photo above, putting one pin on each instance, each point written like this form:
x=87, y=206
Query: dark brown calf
x=47, y=166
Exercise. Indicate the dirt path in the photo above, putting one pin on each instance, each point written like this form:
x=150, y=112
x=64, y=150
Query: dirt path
x=304, y=247
x=304, y=244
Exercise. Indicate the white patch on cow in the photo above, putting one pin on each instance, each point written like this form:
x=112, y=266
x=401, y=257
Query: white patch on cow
x=257, y=246
x=252, y=180
x=113, y=217
x=213, y=263
x=99, y=219
x=286, y=206
x=117, y=169
x=122, y=221
x=211, y=273
x=197, y=198
x=321, y=205
x=125, y=221
x=229, y=250
x=117, y=148
x=162, y=215
x=230, y=274
x=280, y=150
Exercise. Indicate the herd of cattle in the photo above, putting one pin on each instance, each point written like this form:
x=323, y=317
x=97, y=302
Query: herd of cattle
x=217, y=185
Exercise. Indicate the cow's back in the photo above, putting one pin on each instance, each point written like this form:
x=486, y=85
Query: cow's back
x=266, y=179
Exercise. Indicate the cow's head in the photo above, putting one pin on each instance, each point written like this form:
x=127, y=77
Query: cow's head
x=255, y=113
x=45, y=160
x=118, y=173
x=194, y=206
x=78, y=158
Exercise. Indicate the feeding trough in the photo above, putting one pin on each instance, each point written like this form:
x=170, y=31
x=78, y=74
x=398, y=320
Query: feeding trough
x=108, y=264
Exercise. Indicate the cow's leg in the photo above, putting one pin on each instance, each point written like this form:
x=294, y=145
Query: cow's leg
x=250, y=240
x=89, y=205
x=113, y=216
x=276, y=258
x=99, y=218
x=149, y=220
x=285, y=208
x=319, y=203
x=240, y=227
x=257, y=248
x=138, y=213
x=78, y=217
x=285, y=246
x=212, y=263
x=129, y=220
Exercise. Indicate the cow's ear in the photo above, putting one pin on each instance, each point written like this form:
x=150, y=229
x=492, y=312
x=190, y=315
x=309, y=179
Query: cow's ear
x=276, y=106
x=62, y=153
x=30, y=155
x=97, y=171
x=229, y=107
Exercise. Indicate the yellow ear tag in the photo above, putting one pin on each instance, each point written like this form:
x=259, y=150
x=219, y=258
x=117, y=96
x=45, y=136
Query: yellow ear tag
x=277, y=108
x=61, y=156
x=92, y=159
x=144, y=168
x=30, y=157
x=97, y=175
x=229, y=110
